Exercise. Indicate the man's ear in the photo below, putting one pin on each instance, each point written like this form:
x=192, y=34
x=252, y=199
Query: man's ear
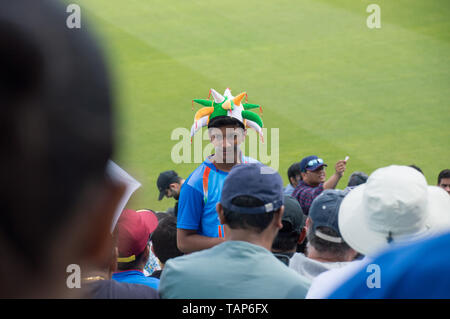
x=279, y=217
x=302, y=236
x=219, y=209
x=308, y=223
x=303, y=175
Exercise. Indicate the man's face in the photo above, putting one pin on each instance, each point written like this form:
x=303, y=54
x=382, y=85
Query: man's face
x=226, y=141
x=445, y=184
x=173, y=191
x=315, y=177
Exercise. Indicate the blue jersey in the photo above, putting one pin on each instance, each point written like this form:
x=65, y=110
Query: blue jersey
x=415, y=271
x=198, y=199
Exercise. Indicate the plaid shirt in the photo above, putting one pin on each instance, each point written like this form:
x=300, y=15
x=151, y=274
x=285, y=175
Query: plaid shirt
x=305, y=194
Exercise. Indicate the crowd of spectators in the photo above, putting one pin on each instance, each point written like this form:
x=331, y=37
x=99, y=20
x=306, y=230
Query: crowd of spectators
x=234, y=231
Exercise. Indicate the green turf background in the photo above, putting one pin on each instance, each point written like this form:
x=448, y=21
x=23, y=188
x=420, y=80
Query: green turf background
x=330, y=84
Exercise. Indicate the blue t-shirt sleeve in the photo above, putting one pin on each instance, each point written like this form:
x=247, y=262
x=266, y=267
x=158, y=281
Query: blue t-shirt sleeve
x=190, y=208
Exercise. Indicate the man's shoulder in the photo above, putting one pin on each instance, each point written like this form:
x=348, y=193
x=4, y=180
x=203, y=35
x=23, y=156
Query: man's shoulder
x=326, y=282
x=197, y=175
x=183, y=265
x=296, y=284
x=283, y=273
x=304, y=185
x=112, y=289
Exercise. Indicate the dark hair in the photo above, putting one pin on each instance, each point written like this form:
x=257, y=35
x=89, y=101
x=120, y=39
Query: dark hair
x=160, y=216
x=221, y=121
x=56, y=132
x=164, y=239
x=357, y=178
x=443, y=174
x=416, y=168
x=132, y=264
x=322, y=246
x=286, y=240
x=255, y=222
x=177, y=180
x=294, y=171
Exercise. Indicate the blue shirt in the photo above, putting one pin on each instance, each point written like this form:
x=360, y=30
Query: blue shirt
x=136, y=277
x=415, y=271
x=198, y=199
x=288, y=190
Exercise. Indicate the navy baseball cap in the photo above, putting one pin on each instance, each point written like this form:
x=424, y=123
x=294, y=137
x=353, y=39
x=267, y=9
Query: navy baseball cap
x=324, y=213
x=311, y=163
x=256, y=180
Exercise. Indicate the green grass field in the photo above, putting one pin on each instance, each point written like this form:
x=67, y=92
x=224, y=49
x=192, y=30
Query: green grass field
x=330, y=84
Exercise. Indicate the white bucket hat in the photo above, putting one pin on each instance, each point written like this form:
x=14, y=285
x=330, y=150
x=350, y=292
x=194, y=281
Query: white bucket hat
x=395, y=204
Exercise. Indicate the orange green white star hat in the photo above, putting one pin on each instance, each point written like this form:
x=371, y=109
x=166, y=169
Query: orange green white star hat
x=227, y=105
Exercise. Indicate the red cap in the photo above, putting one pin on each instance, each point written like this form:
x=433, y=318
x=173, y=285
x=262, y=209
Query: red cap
x=134, y=229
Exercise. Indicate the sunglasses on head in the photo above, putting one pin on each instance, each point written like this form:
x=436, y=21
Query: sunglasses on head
x=314, y=162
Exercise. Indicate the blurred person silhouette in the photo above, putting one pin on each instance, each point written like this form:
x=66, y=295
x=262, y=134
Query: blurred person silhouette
x=56, y=136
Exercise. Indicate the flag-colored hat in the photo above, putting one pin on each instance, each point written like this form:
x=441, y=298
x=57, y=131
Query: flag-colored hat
x=226, y=105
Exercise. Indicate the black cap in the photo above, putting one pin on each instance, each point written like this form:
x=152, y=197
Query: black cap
x=293, y=215
x=164, y=180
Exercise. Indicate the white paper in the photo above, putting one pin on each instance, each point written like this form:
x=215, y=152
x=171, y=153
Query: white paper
x=120, y=175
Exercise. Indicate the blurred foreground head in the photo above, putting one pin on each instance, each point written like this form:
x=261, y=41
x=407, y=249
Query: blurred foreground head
x=56, y=136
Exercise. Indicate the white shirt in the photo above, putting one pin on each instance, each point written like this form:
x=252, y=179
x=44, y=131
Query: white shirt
x=327, y=282
x=311, y=268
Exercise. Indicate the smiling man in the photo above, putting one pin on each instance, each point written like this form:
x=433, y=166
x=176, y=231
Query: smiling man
x=198, y=225
x=314, y=180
